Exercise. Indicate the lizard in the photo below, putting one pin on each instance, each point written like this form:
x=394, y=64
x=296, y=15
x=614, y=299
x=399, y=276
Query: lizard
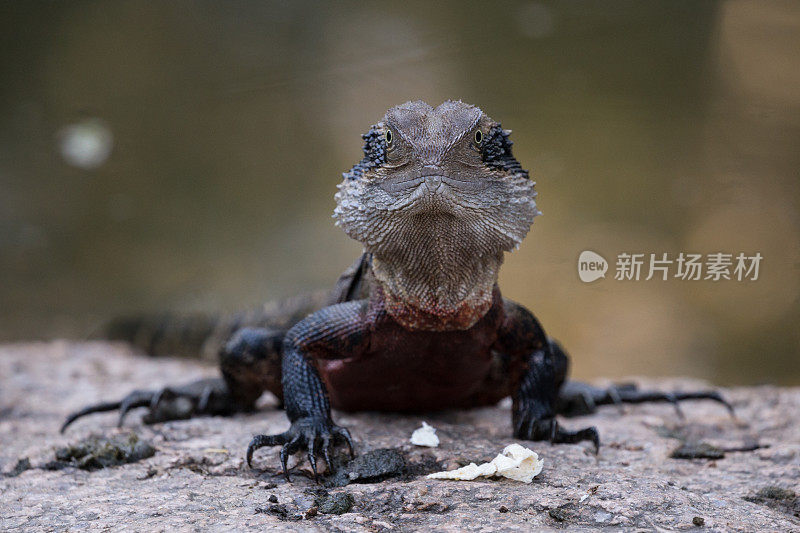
x=417, y=323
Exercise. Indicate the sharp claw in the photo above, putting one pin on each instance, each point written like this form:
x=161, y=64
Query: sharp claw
x=345, y=433
x=594, y=436
x=70, y=419
x=525, y=429
x=126, y=406
x=259, y=441
x=564, y=436
x=518, y=425
x=251, y=448
x=312, y=459
x=613, y=394
x=671, y=398
x=289, y=448
x=729, y=407
x=529, y=429
x=326, y=443
x=717, y=397
x=132, y=401
x=284, y=461
x=591, y=406
x=156, y=399
x=205, y=397
x=311, y=445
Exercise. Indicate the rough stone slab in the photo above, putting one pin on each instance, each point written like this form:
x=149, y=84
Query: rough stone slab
x=197, y=479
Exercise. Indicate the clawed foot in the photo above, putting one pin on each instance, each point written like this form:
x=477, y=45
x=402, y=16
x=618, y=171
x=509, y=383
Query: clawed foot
x=312, y=434
x=529, y=428
x=208, y=396
x=577, y=398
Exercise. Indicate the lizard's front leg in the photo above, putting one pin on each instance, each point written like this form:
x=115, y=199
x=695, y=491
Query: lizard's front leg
x=534, y=408
x=331, y=333
x=541, y=375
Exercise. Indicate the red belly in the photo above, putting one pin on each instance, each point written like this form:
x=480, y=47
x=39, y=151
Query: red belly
x=403, y=370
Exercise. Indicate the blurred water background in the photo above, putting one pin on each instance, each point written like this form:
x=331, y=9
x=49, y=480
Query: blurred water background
x=184, y=155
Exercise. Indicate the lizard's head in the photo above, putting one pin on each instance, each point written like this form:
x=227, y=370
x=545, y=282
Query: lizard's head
x=437, y=199
x=422, y=163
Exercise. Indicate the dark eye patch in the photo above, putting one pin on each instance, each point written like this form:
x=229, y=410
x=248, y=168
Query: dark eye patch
x=374, y=153
x=496, y=151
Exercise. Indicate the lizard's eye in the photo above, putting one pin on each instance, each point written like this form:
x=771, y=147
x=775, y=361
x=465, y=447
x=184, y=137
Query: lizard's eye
x=478, y=137
x=389, y=137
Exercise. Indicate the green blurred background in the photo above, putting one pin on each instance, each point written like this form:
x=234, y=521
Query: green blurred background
x=184, y=156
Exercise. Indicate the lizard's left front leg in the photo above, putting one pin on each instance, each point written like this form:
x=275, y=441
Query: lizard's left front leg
x=333, y=332
x=542, y=375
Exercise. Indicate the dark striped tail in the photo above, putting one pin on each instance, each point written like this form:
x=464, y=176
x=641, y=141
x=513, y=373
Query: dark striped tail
x=202, y=335
x=175, y=335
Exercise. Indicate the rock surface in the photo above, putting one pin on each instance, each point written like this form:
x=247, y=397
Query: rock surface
x=197, y=478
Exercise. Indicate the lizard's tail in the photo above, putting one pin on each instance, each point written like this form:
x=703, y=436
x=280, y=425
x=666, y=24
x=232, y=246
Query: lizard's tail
x=191, y=335
x=202, y=335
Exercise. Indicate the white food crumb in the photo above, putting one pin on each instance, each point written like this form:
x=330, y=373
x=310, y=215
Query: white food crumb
x=425, y=436
x=467, y=473
x=515, y=462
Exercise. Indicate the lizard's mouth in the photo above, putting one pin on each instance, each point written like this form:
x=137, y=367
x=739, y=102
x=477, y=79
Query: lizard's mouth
x=432, y=184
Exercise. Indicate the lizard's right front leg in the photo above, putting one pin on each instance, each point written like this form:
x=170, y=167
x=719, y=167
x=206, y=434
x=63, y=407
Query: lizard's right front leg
x=335, y=332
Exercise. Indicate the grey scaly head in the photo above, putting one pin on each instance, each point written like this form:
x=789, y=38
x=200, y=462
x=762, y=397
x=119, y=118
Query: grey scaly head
x=437, y=199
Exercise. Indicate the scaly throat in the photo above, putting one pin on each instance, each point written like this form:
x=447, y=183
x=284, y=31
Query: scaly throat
x=437, y=272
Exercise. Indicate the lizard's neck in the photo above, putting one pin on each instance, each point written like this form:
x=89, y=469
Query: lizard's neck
x=435, y=275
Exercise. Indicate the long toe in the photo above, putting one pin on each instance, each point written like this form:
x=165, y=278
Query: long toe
x=260, y=441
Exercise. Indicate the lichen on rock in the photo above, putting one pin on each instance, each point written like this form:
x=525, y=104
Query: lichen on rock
x=93, y=453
